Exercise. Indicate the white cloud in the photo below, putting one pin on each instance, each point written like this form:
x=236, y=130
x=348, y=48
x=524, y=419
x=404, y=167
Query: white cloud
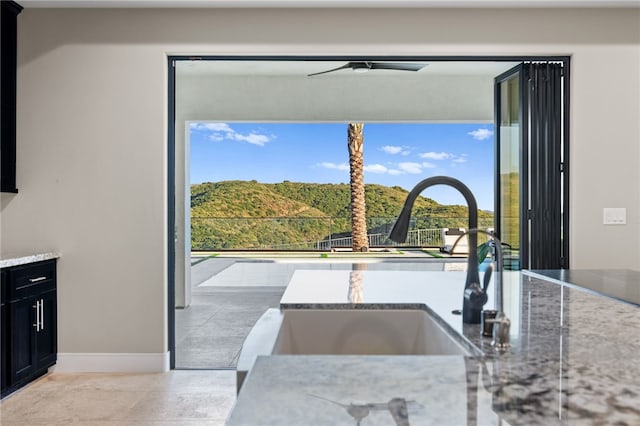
x=409, y=167
x=436, y=155
x=390, y=149
x=252, y=138
x=335, y=166
x=222, y=131
x=214, y=127
x=395, y=150
x=481, y=134
x=441, y=156
x=376, y=168
x=394, y=172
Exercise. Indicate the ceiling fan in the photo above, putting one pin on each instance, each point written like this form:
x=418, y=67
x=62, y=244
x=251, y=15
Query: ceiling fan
x=365, y=66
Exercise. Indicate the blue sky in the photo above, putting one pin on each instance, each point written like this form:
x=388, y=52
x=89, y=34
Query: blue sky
x=398, y=154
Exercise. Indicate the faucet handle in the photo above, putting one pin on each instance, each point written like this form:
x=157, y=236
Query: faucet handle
x=501, y=329
x=476, y=296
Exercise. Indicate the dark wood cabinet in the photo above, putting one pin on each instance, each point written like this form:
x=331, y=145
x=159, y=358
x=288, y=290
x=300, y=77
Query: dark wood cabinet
x=29, y=326
x=9, y=11
x=22, y=341
x=47, y=338
x=4, y=334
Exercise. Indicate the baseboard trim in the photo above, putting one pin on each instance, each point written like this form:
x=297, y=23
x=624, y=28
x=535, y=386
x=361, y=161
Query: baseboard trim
x=112, y=363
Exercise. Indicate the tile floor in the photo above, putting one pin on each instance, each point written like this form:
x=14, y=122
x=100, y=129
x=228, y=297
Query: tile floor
x=170, y=399
x=210, y=332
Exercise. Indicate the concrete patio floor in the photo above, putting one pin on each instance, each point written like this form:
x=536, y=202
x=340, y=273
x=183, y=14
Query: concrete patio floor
x=231, y=291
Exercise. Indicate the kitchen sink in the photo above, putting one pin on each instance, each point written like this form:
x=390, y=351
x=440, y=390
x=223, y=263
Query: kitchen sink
x=347, y=332
x=363, y=332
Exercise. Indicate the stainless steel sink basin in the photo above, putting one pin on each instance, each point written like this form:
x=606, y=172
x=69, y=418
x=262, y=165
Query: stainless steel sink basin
x=363, y=332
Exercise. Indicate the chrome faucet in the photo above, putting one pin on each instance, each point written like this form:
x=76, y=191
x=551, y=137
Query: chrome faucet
x=474, y=298
x=501, y=324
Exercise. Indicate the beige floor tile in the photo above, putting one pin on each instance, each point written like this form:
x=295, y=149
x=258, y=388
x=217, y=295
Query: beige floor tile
x=179, y=397
x=171, y=406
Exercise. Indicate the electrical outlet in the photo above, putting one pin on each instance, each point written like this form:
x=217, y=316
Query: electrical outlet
x=614, y=216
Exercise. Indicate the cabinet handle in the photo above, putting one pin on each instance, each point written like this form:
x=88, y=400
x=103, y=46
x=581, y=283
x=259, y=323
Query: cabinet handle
x=41, y=314
x=37, y=324
x=35, y=280
x=37, y=307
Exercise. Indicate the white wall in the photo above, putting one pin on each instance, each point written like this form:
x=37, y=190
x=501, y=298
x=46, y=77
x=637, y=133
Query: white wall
x=92, y=133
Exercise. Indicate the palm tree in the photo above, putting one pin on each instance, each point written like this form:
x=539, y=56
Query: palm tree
x=356, y=173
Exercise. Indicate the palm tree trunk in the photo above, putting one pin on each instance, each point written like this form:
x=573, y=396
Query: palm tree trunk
x=356, y=171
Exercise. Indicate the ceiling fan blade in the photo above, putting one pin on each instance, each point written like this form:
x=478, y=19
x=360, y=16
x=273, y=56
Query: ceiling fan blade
x=331, y=70
x=399, y=66
x=364, y=66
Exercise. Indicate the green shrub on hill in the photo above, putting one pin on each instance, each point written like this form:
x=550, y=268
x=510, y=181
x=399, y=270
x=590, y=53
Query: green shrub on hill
x=253, y=215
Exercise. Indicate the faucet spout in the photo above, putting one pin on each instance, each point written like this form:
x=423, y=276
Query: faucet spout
x=501, y=323
x=496, y=245
x=471, y=313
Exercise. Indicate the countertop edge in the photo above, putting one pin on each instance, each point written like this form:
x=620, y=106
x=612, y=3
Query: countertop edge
x=9, y=260
x=582, y=286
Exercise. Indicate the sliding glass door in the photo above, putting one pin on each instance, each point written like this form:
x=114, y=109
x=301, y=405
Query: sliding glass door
x=510, y=164
x=531, y=165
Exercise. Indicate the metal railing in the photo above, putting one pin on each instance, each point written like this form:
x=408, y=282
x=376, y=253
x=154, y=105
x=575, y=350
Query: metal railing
x=415, y=238
x=321, y=234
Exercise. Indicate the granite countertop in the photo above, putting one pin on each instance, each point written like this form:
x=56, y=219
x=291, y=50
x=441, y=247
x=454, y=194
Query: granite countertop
x=575, y=359
x=14, y=259
x=623, y=285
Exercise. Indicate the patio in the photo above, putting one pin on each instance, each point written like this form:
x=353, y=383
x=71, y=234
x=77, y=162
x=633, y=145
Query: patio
x=231, y=291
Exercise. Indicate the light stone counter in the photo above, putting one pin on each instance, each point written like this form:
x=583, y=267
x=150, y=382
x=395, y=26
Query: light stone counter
x=623, y=284
x=7, y=259
x=575, y=359
x=321, y=390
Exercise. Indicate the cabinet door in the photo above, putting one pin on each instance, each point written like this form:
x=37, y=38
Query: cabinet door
x=4, y=332
x=8, y=52
x=4, y=366
x=22, y=319
x=4, y=356
x=46, y=338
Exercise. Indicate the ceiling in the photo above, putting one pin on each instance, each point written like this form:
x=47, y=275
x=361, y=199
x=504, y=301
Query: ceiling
x=269, y=90
x=330, y=3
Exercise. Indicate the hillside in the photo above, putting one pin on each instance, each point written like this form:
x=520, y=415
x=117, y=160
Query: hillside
x=249, y=214
x=246, y=199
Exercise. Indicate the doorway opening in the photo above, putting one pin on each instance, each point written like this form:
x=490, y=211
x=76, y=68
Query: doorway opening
x=272, y=90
